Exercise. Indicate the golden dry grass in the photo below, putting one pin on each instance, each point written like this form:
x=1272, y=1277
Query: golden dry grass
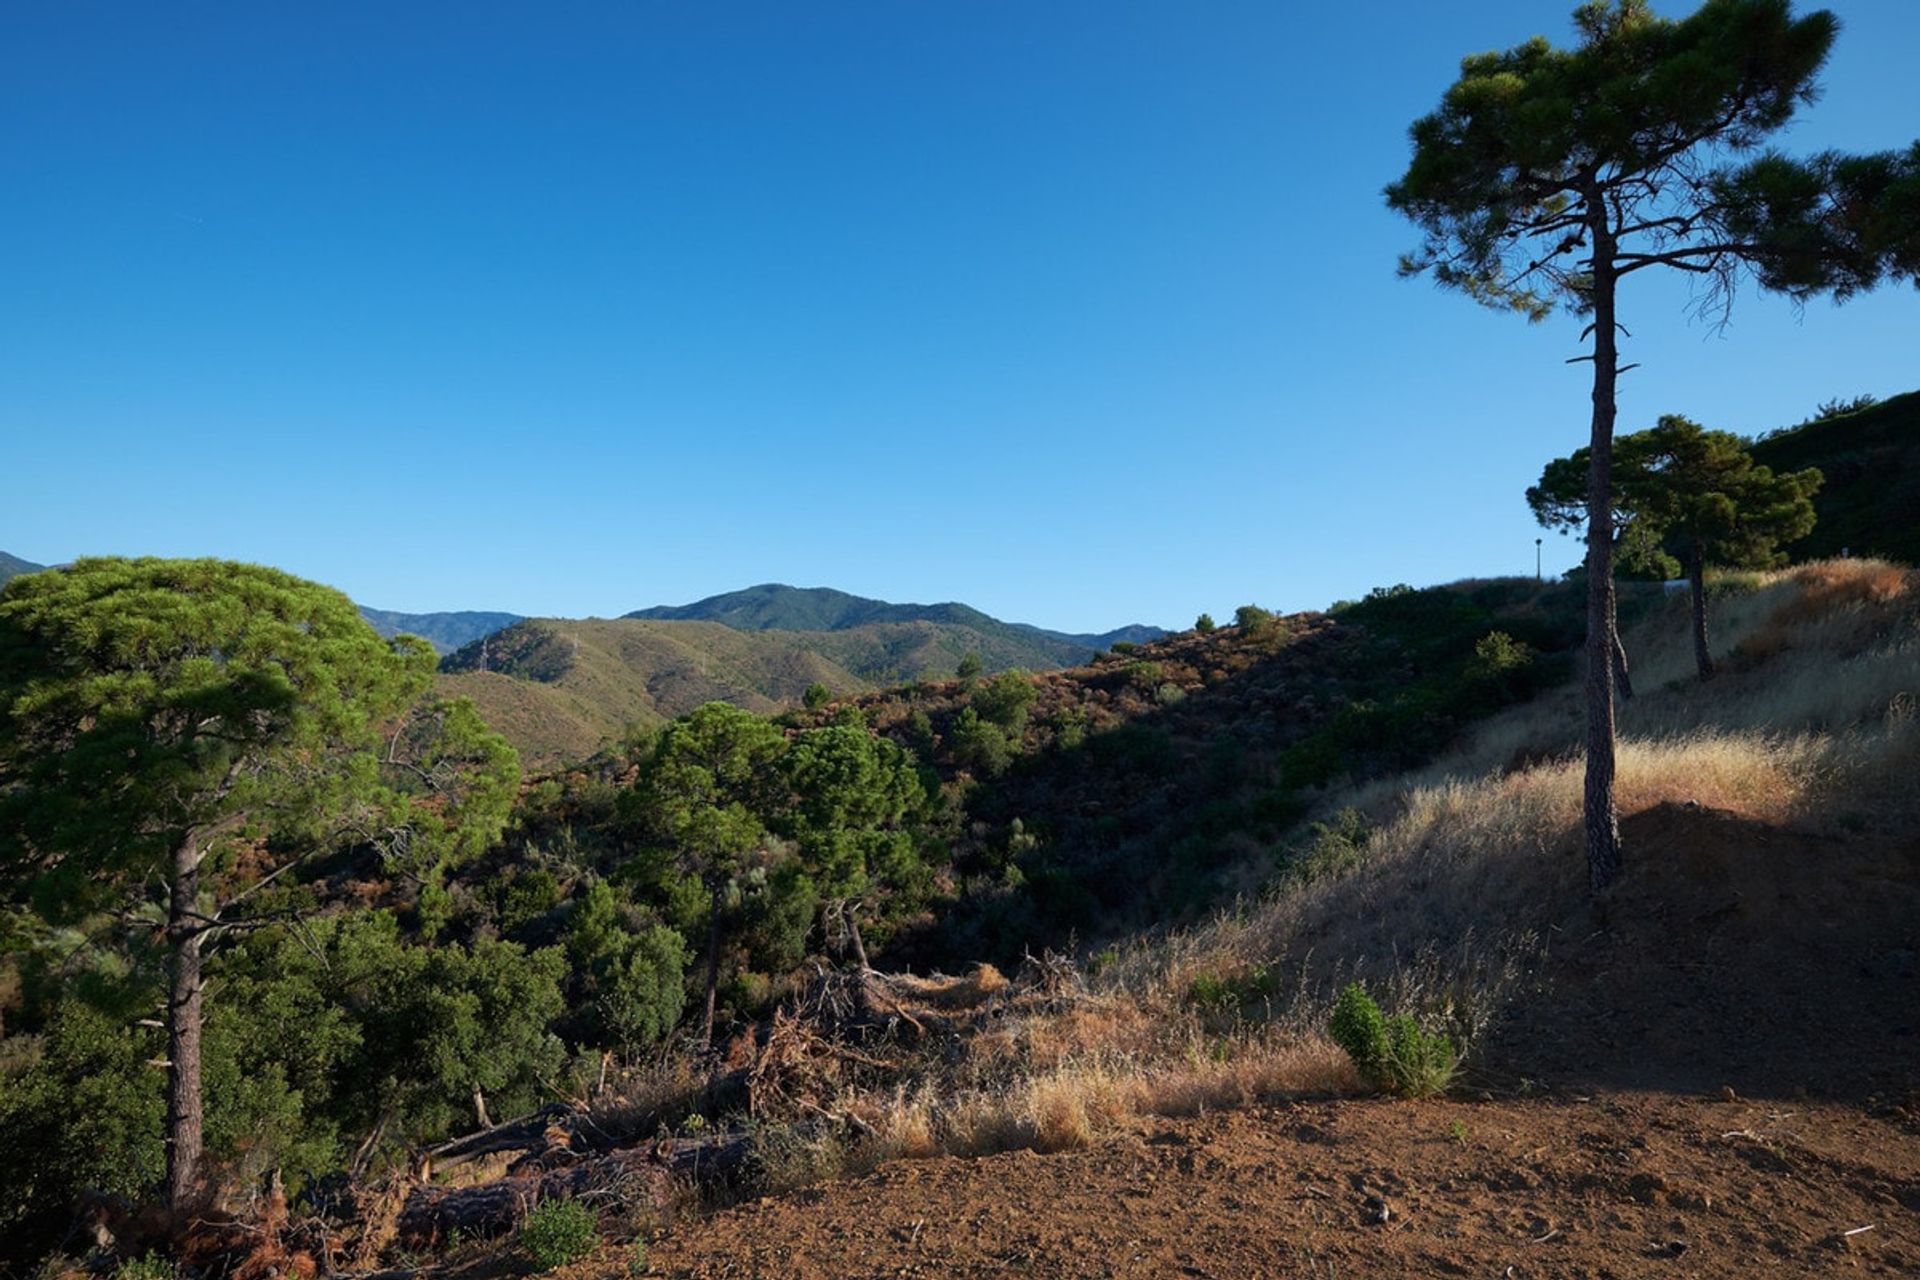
x=1811, y=723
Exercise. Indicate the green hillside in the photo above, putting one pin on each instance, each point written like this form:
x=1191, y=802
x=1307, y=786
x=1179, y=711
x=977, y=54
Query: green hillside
x=559, y=688
x=1870, y=503
x=14, y=566
x=774, y=606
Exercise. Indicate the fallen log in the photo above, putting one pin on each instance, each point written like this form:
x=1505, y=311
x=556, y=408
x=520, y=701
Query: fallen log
x=528, y=1133
x=637, y=1177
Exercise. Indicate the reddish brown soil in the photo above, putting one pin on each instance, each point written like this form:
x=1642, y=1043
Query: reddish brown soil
x=1627, y=1185
x=1732, y=1085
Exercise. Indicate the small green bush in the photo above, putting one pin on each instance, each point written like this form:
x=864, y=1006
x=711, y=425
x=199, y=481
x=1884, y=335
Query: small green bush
x=558, y=1232
x=1204, y=624
x=1252, y=619
x=148, y=1266
x=1392, y=1053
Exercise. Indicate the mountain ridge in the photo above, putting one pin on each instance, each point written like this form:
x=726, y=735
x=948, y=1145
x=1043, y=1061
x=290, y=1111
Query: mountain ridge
x=776, y=606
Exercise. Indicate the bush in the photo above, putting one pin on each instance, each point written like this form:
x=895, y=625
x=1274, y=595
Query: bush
x=558, y=1232
x=1392, y=1053
x=148, y=1266
x=816, y=696
x=1204, y=624
x=1252, y=619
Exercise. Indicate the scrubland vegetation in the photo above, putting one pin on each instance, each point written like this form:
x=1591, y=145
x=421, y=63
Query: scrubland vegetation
x=565, y=962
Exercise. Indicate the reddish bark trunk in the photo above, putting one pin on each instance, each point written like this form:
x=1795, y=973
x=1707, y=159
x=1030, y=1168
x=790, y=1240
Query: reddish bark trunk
x=185, y=1124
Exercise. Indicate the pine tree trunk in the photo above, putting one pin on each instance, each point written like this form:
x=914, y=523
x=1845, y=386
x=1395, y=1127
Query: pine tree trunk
x=184, y=1114
x=1697, y=582
x=1602, y=816
x=713, y=970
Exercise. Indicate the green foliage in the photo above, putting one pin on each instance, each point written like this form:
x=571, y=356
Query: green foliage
x=1840, y=407
x=1503, y=665
x=816, y=696
x=530, y=649
x=1869, y=500
x=1329, y=848
x=970, y=668
x=643, y=990
x=1252, y=619
x=1224, y=993
x=1391, y=1053
x=84, y=1114
x=1204, y=624
x=1534, y=141
x=980, y=744
x=1681, y=488
x=529, y=895
x=1004, y=700
x=141, y=700
x=148, y=1266
x=559, y=1232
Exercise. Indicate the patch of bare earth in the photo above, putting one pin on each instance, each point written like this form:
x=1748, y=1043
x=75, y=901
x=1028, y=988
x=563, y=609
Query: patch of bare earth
x=1619, y=1185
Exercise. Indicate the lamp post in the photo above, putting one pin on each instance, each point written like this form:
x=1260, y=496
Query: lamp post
x=1536, y=559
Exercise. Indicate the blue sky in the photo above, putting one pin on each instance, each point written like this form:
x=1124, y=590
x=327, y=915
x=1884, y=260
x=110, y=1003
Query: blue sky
x=1083, y=313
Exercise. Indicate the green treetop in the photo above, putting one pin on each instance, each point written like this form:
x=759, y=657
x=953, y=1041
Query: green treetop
x=703, y=798
x=1679, y=485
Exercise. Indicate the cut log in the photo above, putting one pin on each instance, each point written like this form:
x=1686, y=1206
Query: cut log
x=636, y=1177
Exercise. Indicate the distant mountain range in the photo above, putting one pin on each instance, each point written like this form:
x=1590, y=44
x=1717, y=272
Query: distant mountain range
x=559, y=688
x=774, y=606
x=446, y=631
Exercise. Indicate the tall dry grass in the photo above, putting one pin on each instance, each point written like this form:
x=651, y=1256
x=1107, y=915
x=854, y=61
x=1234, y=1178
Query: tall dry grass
x=1470, y=862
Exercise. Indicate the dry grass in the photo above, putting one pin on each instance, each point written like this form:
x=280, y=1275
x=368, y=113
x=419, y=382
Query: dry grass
x=1811, y=723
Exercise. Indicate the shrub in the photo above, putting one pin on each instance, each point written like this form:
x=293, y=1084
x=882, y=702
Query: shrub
x=1204, y=624
x=1391, y=1053
x=970, y=668
x=980, y=745
x=1005, y=698
x=1329, y=848
x=148, y=1266
x=816, y=696
x=1252, y=619
x=558, y=1232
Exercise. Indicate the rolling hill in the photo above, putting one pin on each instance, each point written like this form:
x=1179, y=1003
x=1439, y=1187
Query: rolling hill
x=1870, y=502
x=774, y=606
x=559, y=688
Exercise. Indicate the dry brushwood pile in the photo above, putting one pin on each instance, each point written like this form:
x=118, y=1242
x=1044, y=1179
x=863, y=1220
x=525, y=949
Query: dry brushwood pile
x=825, y=1068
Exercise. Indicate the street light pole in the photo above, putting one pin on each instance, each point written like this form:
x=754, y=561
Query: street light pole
x=1536, y=560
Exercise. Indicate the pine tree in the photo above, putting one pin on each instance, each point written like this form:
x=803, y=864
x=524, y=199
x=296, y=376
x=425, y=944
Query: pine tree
x=1547, y=176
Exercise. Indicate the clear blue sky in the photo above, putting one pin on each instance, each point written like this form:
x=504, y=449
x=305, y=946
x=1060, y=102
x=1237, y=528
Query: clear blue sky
x=1083, y=313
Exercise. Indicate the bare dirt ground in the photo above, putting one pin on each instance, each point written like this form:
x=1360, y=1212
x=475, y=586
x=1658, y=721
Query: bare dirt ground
x=1721, y=1076
x=1616, y=1185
